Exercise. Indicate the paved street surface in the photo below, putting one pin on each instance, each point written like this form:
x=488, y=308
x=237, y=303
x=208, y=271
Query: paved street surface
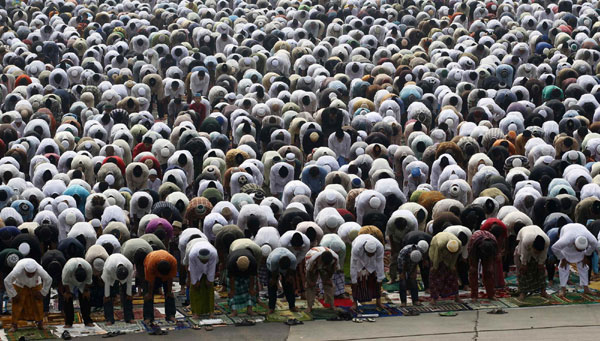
x=571, y=323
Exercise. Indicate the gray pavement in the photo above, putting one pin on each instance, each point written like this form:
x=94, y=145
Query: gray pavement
x=572, y=323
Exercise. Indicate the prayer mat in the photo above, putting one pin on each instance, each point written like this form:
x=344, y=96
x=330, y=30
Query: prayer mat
x=284, y=315
x=323, y=314
x=486, y=304
x=576, y=298
x=6, y=321
x=300, y=304
x=241, y=317
x=441, y=306
x=530, y=301
x=80, y=330
x=138, y=314
x=135, y=327
x=338, y=302
x=372, y=309
x=54, y=319
x=98, y=316
x=140, y=300
x=169, y=326
x=208, y=321
x=30, y=334
x=259, y=309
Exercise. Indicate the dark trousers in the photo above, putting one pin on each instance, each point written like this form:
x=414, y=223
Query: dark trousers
x=462, y=268
x=149, y=304
x=408, y=282
x=84, y=305
x=551, y=267
x=288, y=290
x=424, y=269
x=127, y=305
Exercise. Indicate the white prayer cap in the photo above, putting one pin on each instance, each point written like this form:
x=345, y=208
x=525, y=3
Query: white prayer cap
x=416, y=256
x=423, y=245
x=371, y=246
x=581, y=243
x=266, y=250
x=98, y=264
x=30, y=267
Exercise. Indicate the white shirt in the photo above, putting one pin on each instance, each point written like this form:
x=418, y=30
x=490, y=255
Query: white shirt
x=525, y=237
x=68, y=274
x=198, y=268
x=340, y=148
x=154, y=185
x=286, y=241
x=564, y=248
x=267, y=235
x=109, y=274
x=359, y=259
x=19, y=278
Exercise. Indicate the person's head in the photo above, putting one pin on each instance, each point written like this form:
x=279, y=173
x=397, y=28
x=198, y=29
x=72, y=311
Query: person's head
x=30, y=269
x=487, y=249
x=98, y=264
x=54, y=269
x=497, y=230
x=122, y=272
x=243, y=263
x=284, y=263
x=204, y=255
x=464, y=239
x=80, y=274
x=370, y=248
x=152, y=174
x=416, y=256
x=539, y=244
x=581, y=243
x=296, y=240
x=139, y=256
x=163, y=267
x=453, y=246
x=339, y=134
x=326, y=258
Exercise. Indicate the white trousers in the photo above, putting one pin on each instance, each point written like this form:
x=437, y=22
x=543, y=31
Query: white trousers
x=582, y=269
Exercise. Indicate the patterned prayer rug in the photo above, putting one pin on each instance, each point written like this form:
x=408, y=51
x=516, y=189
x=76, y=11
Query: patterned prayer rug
x=30, y=334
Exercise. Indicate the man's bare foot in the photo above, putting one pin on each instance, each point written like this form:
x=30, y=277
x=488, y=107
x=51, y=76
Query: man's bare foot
x=544, y=294
x=40, y=325
x=211, y=316
x=474, y=300
x=458, y=300
x=108, y=323
x=89, y=324
x=234, y=313
x=196, y=316
x=354, y=306
x=147, y=322
x=562, y=292
x=68, y=326
x=380, y=306
x=403, y=304
x=586, y=290
x=295, y=309
x=551, y=283
x=250, y=312
x=433, y=301
x=521, y=296
x=308, y=310
x=171, y=319
x=417, y=303
x=271, y=311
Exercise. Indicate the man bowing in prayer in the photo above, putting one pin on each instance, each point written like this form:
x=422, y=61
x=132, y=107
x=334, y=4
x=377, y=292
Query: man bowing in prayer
x=574, y=246
x=27, y=285
x=366, y=269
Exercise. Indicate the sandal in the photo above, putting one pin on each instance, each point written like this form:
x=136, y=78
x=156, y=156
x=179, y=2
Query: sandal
x=412, y=313
x=498, y=311
x=245, y=323
x=448, y=313
x=66, y=335
x=370, y=319
x=208, y=328
x=357, y=320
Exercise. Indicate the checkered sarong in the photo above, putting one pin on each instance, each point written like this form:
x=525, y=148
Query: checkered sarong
x=338, y=284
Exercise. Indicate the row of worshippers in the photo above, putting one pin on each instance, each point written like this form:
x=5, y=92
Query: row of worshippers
x=294, y=265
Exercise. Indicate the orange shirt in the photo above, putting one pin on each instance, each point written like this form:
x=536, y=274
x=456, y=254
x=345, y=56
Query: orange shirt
x=151, y=264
